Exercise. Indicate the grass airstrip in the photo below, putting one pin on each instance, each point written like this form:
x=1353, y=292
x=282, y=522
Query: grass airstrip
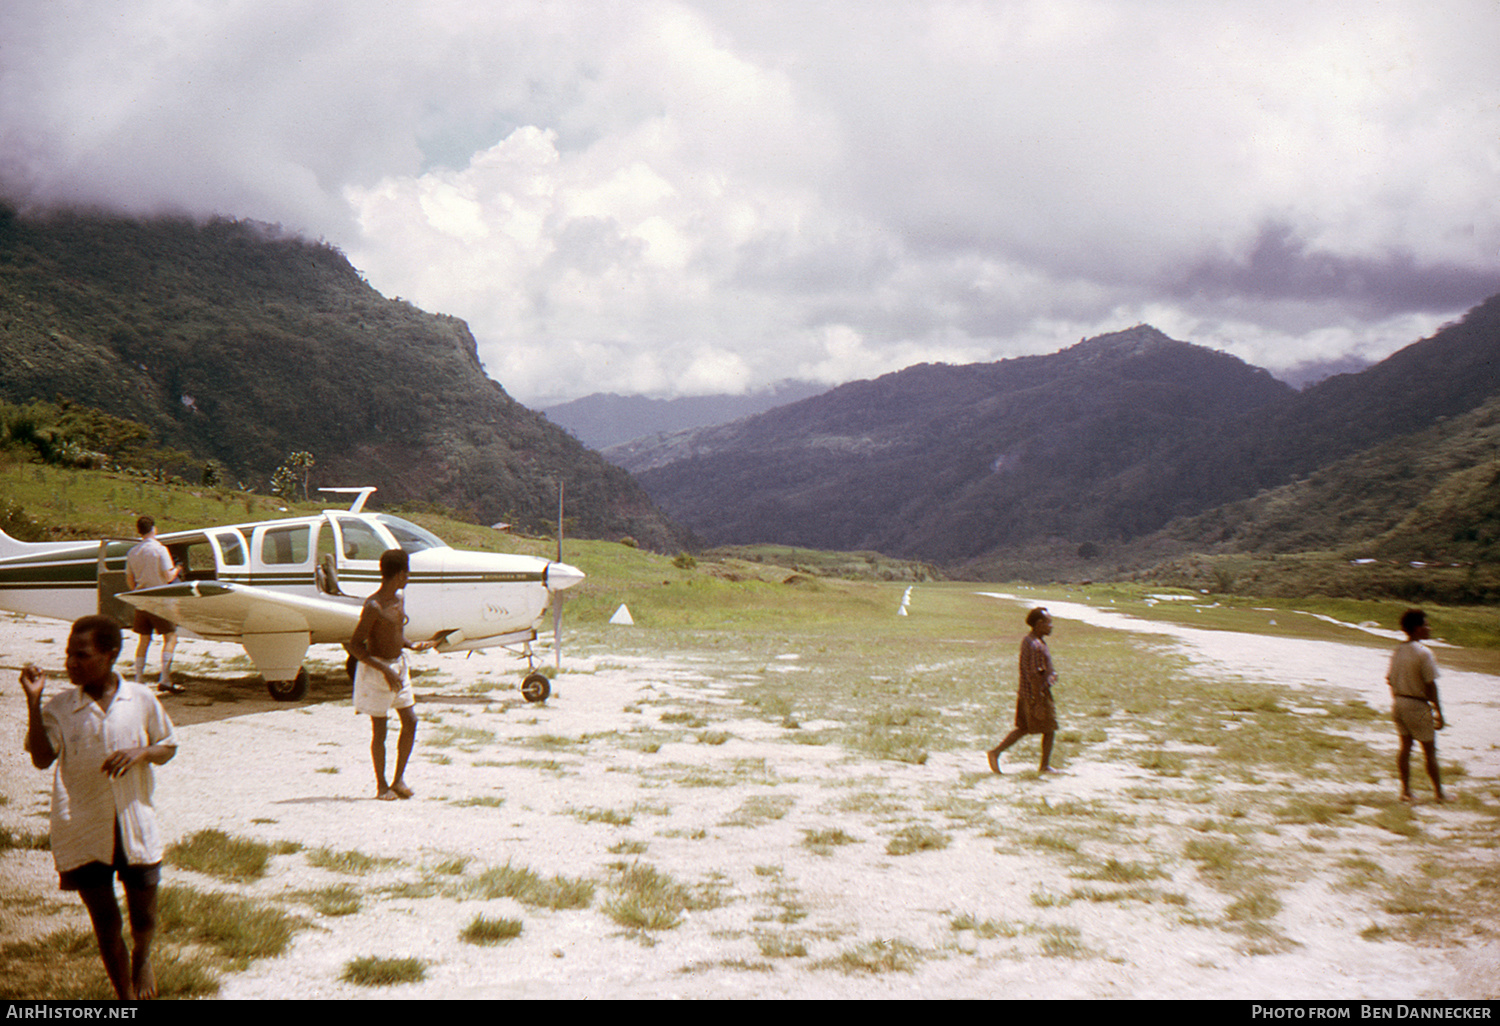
x=822, y=747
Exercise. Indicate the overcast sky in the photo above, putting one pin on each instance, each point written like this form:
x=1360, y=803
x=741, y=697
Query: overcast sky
x=694, y=196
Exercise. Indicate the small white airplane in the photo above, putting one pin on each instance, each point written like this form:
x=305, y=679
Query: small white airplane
x=278, y=586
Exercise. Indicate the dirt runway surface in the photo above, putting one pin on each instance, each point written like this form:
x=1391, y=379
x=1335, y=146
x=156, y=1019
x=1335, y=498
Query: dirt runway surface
x=808, y=869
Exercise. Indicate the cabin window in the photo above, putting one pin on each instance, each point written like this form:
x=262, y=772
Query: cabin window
x=196, y=560
x=232, y=547
x=283, y=545
x=409, y=536
x=360, y=540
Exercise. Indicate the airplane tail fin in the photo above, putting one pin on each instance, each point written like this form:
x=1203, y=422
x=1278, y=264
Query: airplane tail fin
x=10, y=546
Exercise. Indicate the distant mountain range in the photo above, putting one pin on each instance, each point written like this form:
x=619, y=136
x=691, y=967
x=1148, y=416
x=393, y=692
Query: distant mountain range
x=236, y=343
x=1107, y=441
x=603, y=420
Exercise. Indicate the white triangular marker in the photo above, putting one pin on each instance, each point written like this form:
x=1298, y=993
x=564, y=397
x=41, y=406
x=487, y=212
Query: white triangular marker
x=622, y=617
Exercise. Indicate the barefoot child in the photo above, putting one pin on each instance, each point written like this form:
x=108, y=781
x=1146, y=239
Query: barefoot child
x=382, y=681
x=104, y=734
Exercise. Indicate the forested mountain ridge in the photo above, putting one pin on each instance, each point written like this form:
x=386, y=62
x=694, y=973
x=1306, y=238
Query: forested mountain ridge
x=1456, y=370
x=945, y=463
x=1432, y=495
x=240, y=343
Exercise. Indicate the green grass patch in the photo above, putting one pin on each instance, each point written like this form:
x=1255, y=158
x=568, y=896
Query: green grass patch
x=645, y=898
x=780, y=945
x=610, y=817
x=215, y=853
x=917, y=837
x=874, y=958
x=1310, y=810
x=760, y=808
x=1360, y=873
x=985, y=929
x=1256, y=906
x=239, y=930
x=485, y=932
x=65, y=966
x=372, y=971
x=1216, y=858
x=1114, y=871
x=354, y=863
x=1398, y=818
x=1061, y=941
x=1097, y=895
x=199, y=937
x=25, y=840
x=530, y=888
x=1054, y=841
x=1168, y=764
x=822, y=842
x=338, y=900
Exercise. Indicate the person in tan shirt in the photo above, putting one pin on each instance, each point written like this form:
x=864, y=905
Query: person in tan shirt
x=1414, y=701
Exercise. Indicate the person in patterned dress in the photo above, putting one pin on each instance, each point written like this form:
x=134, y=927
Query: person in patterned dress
x=1034, y=710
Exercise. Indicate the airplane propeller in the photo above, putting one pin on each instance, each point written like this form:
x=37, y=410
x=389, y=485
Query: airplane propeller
x=558, y=577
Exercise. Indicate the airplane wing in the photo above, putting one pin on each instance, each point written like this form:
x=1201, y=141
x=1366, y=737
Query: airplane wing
x=226, y=611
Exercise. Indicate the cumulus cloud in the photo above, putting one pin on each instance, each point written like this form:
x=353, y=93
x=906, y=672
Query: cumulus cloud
x=687, y=196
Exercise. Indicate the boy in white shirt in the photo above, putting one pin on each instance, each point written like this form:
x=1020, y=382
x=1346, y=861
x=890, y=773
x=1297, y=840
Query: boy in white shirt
x=104, y=734
x=149, y=565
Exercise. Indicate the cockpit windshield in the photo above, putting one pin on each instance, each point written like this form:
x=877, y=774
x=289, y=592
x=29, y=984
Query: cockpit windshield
x=408, y=535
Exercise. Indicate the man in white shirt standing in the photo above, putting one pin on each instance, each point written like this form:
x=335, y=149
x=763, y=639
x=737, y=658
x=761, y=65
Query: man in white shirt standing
x=105, y=735
x=1414, y=697
x=149, y=565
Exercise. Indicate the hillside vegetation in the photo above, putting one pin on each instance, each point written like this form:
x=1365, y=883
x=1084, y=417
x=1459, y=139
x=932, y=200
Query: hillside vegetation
x=236, y=343
x=944, y=464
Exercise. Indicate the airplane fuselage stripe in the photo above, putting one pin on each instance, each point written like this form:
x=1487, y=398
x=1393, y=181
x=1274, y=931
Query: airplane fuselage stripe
x=84, y=574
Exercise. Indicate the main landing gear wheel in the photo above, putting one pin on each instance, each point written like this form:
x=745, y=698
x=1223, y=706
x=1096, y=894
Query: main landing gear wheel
x=289, y=690
x=536, y=687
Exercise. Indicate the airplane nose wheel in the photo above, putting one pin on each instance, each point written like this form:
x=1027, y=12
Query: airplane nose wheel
x=536, y=687
x=289, y=690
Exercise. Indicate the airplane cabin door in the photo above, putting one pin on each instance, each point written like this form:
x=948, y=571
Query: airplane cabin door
x=355, y=551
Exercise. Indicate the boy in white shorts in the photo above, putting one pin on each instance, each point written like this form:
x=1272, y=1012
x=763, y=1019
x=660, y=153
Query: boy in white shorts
x=382, y=681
